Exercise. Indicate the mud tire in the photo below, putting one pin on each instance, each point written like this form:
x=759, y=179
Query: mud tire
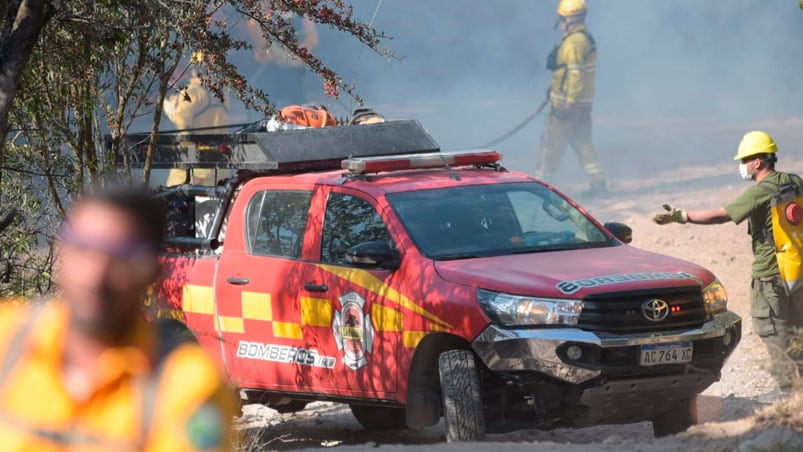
x=461, y=395
x=292, y=407
x=379, y=417
x=676, y=420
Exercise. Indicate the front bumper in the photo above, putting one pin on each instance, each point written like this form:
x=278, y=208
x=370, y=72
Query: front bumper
x=539, y=350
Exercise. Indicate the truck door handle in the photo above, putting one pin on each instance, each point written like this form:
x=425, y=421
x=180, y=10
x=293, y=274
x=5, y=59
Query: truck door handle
x=316, y=287
x=237, y=281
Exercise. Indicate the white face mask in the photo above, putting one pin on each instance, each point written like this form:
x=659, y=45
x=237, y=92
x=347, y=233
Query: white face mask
x=744, y=173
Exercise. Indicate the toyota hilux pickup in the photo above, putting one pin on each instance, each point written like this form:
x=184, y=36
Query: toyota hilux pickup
x=362, y=265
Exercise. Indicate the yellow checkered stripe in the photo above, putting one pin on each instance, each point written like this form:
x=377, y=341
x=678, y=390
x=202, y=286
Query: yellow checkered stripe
x=256, y=306
x=314, y=312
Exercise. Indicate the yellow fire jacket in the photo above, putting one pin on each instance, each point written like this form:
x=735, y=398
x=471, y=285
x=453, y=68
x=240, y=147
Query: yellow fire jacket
x=128, y=404
x=573, y=64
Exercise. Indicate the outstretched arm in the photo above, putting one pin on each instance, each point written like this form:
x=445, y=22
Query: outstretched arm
x=717, y=216
x=673, y=215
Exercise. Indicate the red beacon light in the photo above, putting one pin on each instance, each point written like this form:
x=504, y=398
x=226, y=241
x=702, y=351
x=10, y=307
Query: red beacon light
x=362, y=165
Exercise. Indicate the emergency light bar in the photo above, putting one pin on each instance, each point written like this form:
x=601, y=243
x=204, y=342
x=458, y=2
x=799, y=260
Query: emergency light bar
x=362, y=165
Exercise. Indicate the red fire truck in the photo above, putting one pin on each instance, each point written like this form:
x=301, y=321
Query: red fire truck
x=362, y=265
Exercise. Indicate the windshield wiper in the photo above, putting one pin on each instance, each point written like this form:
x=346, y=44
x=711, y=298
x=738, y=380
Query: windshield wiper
x=456, y=256
x=559, y=247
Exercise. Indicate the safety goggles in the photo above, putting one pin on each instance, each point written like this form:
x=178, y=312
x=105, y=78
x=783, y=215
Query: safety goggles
x=128, y=251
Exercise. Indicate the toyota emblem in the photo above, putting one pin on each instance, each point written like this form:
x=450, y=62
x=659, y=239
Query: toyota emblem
x=655, y=310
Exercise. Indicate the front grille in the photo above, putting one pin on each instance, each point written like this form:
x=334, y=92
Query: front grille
x=622, y=312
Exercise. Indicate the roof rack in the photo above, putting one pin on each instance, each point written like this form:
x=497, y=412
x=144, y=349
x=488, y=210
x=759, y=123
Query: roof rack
x=285, y=151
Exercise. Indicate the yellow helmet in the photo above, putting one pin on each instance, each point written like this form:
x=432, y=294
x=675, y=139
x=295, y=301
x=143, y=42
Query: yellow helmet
x=568, y=8
x=755, y=142
x=197, y=57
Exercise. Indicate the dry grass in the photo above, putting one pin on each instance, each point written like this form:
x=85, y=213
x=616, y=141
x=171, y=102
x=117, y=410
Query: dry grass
x=785, y=413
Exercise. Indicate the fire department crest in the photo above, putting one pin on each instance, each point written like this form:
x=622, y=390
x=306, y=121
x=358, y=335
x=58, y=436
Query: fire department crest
x=353, y=330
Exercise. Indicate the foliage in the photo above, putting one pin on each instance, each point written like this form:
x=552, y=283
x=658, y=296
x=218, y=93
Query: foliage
x=26, y=257
x=100, y=65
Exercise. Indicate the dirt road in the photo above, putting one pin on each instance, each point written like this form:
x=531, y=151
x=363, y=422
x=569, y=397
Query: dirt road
x=724, y=408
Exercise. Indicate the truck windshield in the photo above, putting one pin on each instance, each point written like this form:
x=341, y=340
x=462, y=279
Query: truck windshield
x=493, y=220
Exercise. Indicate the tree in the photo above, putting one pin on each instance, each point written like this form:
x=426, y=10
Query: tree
x=99, y=65
x=24, y=21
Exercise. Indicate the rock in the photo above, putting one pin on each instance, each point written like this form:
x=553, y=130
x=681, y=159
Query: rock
x=773, y=439
x=612, y=440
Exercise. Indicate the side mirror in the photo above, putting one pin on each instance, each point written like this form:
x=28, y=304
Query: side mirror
x=373, y=254
x=620, y=230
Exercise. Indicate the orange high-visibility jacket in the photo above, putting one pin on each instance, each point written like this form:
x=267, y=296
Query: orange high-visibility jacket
x=180, y=404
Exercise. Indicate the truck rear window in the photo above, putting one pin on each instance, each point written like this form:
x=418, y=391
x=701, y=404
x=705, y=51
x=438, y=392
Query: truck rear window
x=276, y=221
x=492, y=220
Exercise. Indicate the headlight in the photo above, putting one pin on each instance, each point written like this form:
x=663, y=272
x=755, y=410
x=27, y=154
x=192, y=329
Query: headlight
x=715, y=298
x=517, y=310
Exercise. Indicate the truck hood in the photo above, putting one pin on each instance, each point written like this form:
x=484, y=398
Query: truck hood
x=575, y=273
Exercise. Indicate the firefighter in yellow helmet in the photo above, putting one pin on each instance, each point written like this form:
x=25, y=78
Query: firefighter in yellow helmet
x=774, y=312
x=195, y=107
x=573, y=64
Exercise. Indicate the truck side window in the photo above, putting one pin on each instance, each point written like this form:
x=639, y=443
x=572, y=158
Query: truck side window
x=276, y=221
x=349, y=221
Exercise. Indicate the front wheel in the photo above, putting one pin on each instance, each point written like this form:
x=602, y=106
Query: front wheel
x=461, y=395
x=677, y=419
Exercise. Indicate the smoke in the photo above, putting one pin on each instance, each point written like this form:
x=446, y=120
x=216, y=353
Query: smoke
x=678, y=82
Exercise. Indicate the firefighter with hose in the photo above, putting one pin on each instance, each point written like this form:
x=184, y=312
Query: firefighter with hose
x=573, y=64
x=772, y=208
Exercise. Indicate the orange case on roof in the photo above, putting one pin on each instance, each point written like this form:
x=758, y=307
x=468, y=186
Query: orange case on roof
x=306, y=116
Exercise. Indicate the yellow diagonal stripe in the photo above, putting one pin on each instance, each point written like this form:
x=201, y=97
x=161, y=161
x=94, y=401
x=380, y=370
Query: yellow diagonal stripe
x=287, y=330
x=198, y=299
x=412, y=338
x=370, y=282
x=256, y=306
x=435, y=327
x=316, y=311
x=230, y=324
x=386, y=319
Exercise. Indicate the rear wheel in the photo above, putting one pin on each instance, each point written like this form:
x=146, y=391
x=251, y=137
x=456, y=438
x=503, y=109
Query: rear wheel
x=379, y=417
x=676, y=420
x=173, y=333
x=292, y=407
x=461, y=395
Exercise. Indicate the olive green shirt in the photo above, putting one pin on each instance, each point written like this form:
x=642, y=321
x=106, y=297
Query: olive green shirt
x=754, y=205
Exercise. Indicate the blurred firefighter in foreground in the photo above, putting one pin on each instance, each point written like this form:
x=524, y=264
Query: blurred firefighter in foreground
x=195, y=107
x=776, y=305
x=85, y=371
x=573, y=64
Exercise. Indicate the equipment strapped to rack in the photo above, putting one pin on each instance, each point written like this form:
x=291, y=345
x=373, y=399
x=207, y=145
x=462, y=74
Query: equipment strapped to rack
x=286, y=151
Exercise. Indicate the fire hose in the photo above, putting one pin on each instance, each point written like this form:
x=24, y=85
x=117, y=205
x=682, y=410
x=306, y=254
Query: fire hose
x=518, y=127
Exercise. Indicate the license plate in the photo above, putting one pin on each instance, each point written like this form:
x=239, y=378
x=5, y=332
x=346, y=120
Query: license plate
x=658, y=354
